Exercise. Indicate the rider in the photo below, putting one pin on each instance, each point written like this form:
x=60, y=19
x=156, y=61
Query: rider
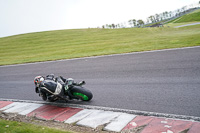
x=49, y=87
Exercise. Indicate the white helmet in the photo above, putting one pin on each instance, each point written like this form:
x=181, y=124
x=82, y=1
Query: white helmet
x=38, y=80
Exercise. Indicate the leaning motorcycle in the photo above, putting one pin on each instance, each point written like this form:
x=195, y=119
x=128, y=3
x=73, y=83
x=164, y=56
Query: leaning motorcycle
x=72, y=90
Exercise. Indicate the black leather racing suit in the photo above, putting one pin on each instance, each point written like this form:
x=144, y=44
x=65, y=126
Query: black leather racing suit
x=51, y=88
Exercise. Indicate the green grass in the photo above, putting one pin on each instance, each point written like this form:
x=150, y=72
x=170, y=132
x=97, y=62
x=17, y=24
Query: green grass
x=20, y=127
x=66, y=44
x=191, y=17
x=54, y=45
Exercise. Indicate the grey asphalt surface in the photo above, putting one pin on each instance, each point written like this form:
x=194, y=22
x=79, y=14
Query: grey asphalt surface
x=161, y=81
x=187, y=25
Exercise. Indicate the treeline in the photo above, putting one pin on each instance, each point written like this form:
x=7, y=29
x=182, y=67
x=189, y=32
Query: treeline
x=162, y=17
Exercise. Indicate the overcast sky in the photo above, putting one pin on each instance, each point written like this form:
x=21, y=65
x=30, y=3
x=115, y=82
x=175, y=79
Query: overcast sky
x=25, y=16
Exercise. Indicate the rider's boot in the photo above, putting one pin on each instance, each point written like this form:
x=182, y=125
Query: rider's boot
x=52, y=98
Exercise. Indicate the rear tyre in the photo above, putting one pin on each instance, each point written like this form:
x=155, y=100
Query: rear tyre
x=81, y=93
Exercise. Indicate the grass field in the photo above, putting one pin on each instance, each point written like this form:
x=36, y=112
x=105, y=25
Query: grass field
x=191, y=17
x=20, y=127
x=66, y=44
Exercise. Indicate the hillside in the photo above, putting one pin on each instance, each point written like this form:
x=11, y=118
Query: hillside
x=66, y=44
x=191, y=17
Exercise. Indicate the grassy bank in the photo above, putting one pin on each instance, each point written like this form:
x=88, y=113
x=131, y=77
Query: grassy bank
x=65, y=44
x=20, y=127
x=191, y=17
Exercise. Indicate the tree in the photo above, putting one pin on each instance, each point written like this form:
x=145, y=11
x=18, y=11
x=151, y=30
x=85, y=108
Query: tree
x=157, y=17
x=161, y=16
x=113, y=25
x=166, y=14
x=110, y=26
x=178, y=12
x=152, y=18
x=134, y=22
x=184, y=9
x=140, y=23
x=148, y=20
x=170, y=14
x=130, y=23
x=107, y=26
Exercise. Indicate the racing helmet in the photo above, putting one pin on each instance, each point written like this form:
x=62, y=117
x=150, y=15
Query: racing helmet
x=38, y=80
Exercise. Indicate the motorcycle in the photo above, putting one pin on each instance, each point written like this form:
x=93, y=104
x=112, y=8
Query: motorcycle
x=71, y=90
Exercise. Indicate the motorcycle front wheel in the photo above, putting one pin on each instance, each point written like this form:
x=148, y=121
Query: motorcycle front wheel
x=81, y=93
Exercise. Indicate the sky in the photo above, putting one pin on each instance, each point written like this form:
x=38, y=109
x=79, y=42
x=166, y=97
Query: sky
x=26, y=16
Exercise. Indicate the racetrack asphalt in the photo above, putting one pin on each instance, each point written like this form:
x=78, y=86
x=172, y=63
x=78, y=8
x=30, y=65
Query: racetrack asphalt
x=166, y=81
x=187, y=25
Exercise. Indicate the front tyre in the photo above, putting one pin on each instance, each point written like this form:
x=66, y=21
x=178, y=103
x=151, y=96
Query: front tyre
x=81, y=93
